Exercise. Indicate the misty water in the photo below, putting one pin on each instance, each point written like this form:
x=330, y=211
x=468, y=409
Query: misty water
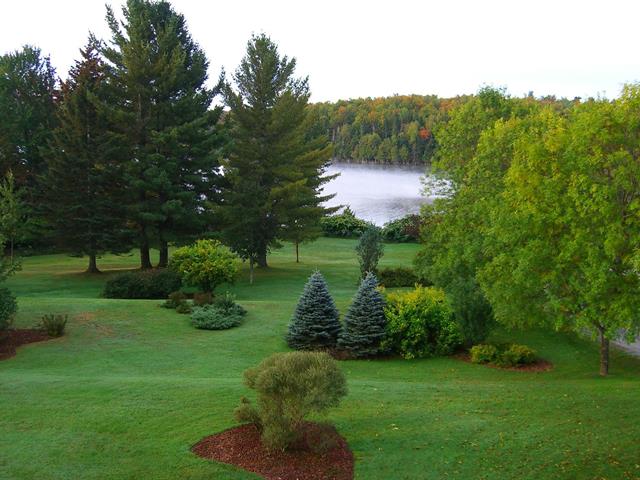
x=377, y=193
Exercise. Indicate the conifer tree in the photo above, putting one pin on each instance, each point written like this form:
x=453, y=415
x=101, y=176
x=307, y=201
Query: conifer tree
x=274, y=171
x=84, y=184
x=159, y=73
x=315, y=324
x=369, y=249
x=365, y=323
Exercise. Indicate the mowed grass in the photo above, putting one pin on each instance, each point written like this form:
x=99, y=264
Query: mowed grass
x=131, y=387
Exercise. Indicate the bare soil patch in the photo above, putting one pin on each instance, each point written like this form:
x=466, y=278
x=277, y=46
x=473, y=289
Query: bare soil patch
x=12, y=339
x=322, y=454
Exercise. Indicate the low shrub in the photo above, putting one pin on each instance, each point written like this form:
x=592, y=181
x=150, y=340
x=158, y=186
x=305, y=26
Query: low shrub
x=150, y=284
x=184, y=308
x=484, y=353
x=290, y=386
x=405, y=229
x=397, y=277
x=54, y=325
x=503, y=355
x=227, y=303
x=222, y=314
x=202, y=298
x=344, y=224
x=421, y=323
x=175, y=300
x=8, y=308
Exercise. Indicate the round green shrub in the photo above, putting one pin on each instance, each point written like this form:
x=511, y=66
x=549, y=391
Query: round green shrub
x=211, y=317
x=205, y=264
x=344, y=224
x=484, y=353
x=515, y=355
x=405, y=229
x=421, y=323
x=8, y=308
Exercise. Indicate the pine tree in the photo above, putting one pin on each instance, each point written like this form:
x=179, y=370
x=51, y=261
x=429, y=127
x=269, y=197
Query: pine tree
x=315, y=324
x=365, y=323
x=84, y=183
x=369, y=249
x=274, y=171
x=159, y=73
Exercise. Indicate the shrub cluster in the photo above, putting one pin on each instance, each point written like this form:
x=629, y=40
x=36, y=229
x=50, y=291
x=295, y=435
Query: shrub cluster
x=344, y=224
x=151, y=284
x=54, y=325
x=397, y=277
x=222, y=314
x=8, y=308
x=503, y=355
x=175, y=300
x=420, y=323
x=405, y=229
x=289, y=387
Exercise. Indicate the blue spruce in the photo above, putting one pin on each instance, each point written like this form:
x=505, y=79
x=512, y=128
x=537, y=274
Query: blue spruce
x=316, y=322
x=365, y=323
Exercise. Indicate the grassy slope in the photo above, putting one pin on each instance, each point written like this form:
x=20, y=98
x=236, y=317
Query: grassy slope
x=132, y=386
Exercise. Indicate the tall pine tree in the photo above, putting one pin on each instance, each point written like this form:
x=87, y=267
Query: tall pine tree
x=84, y=184
x=274, y=172
x=159, y=73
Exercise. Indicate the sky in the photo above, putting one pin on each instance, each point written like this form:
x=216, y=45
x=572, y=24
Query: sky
x=351, y=48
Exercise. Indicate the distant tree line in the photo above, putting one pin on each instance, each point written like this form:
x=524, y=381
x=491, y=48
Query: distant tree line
x=401, y=129
x=129, y=150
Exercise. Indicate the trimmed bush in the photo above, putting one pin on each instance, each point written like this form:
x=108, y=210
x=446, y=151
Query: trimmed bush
x=210, y=317
x=369, y=249
x=205, y=264
x=8, y=308
x=149, y=284
x=183, y=308
x=365, y=324
x=289, y=387
x=420, y=323
x=484, y=353
x=405, y=229
x=397, y=277
x=54, y=325
x=175, y=300
x=344, y=224
x=316, y=322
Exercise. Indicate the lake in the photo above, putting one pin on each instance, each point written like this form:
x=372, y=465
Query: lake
x=377, y=193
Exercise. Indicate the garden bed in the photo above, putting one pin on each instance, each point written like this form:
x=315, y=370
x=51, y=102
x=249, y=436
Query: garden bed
x=12, y=339
x=539, y=365
x=241, y=446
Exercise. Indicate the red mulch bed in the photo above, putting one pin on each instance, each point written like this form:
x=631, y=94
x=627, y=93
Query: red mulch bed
x=12, y=339
x=539, y=366
x=241, y=446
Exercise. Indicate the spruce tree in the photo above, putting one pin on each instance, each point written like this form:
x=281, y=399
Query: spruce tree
x=159, y=73
x=84, y=184
x=315, y=324
x=365, y=323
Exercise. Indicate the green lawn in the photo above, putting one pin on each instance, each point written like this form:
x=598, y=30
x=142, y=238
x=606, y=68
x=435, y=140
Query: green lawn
x=132, y=386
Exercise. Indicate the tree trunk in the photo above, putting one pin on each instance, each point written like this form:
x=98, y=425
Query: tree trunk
x=93, y=264
x=145, y=257
x=251, y=271
x=164, y=254
x=261, y=259
x=11, y=250
x=604, y=353
x=297, y=253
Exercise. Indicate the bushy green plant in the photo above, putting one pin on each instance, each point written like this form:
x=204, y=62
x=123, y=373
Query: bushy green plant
x=397, y=277
x=175, y=300
x=205, y=264
x=316, y=322
x=150, y=284
x=369, y=249
x=210, y=317
x=405, y=229
x=420, y=323
x=289, y=387
x=515, y=355
x=483, y=353
x=344, y=224
x=54, y=325
x=8, y=308
x=227, y=303
x=184, y=308
x=364, y=324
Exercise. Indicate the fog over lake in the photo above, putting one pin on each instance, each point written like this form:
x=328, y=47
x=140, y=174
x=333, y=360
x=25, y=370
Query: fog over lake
x=377, y=193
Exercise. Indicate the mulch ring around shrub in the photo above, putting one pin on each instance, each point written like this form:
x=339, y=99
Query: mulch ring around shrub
x=12, y=339
x=539, y=366
x=241, y=446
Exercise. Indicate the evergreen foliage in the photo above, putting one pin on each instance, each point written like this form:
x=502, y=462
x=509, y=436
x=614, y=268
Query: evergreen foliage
x=316, y=322
x=369, y=249
x=365, y=323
